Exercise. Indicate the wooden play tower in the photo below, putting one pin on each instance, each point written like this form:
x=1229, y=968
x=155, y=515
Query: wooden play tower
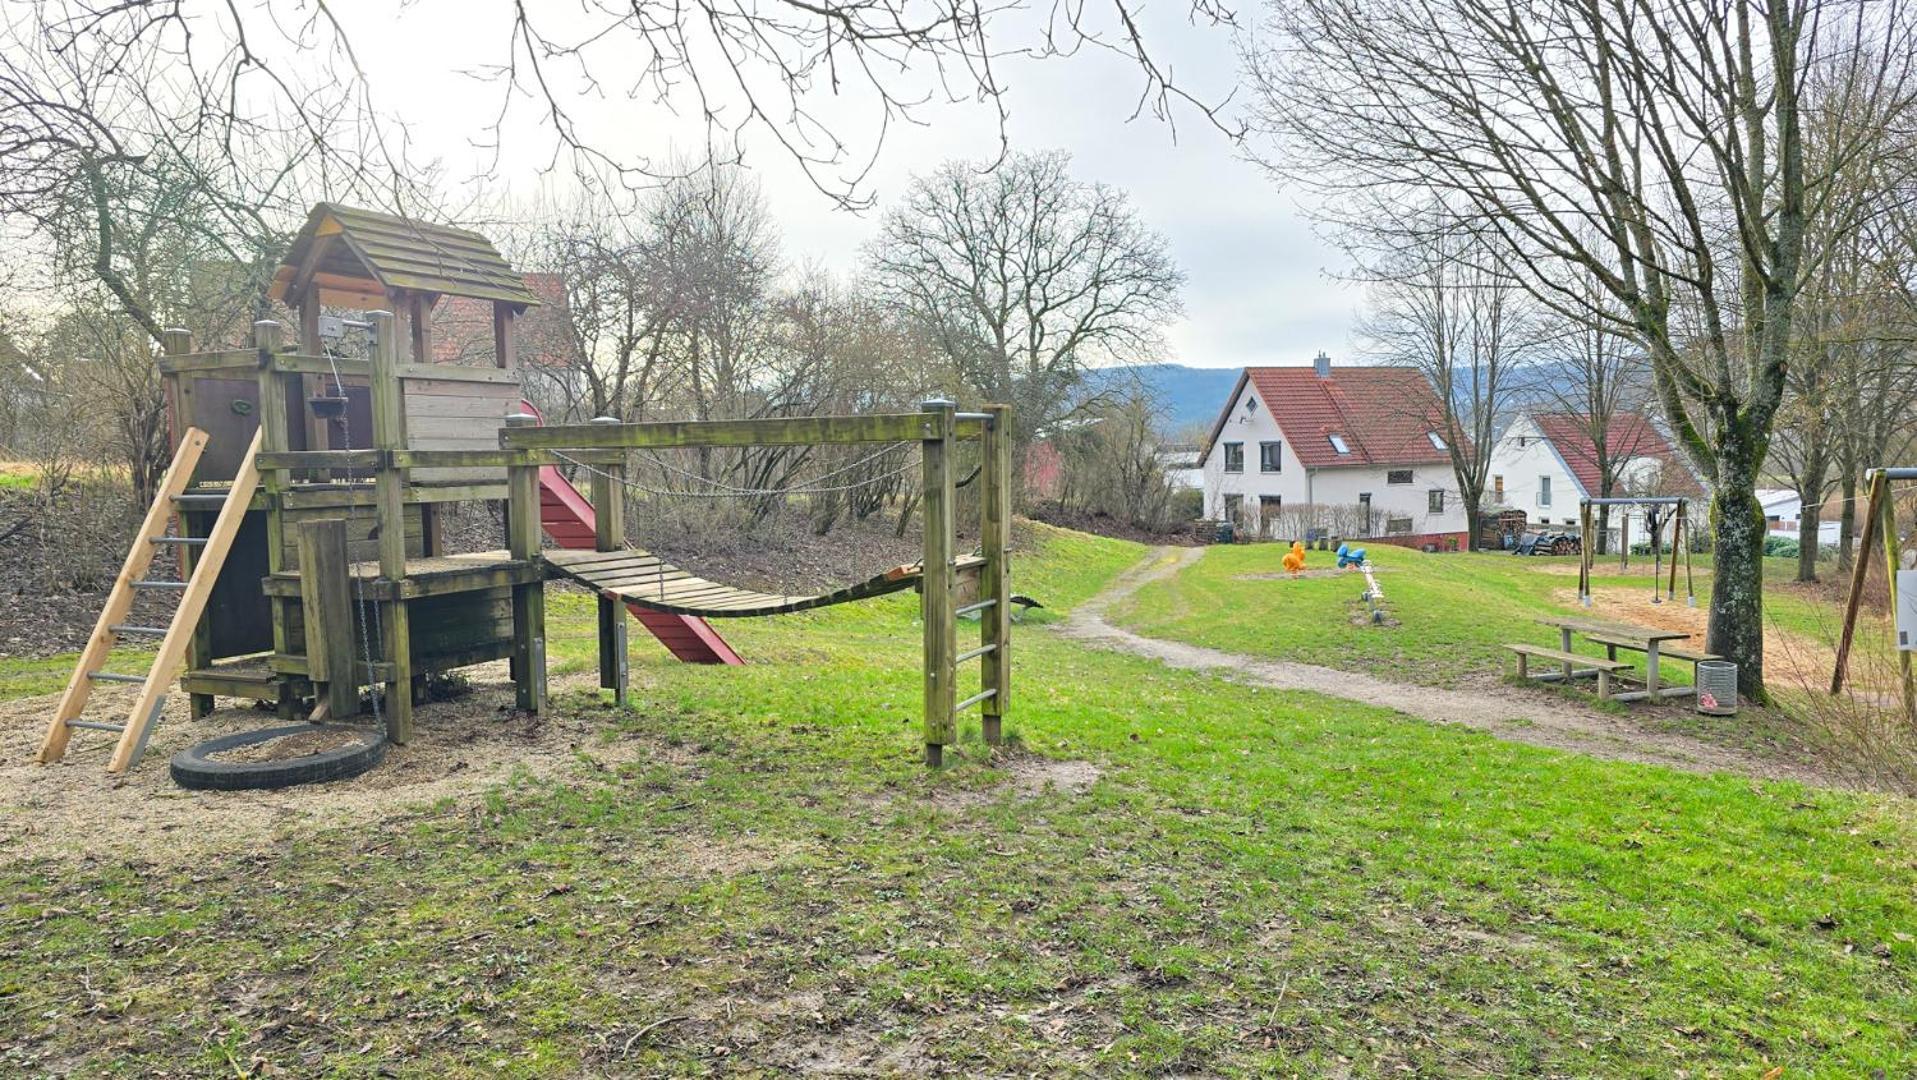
x=303, y=510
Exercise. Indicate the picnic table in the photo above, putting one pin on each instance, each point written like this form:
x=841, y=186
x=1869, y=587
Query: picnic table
x=1613, y=635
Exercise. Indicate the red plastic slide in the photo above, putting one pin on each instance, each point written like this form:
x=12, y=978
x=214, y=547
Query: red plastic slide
x=568, y=518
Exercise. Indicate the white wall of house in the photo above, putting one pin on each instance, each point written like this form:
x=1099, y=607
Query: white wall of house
x=1295, y=485
x=1250, y=428
x=1529, y=467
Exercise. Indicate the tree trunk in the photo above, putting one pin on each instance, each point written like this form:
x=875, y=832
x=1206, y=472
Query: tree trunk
x=1847, y=523
x=1473, y=520
x=1737, y=582
x=1603, y=530
x=1808, y=520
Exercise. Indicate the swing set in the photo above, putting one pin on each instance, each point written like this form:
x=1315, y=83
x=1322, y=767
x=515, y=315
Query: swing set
x=1900, y=570
x=1678, y=518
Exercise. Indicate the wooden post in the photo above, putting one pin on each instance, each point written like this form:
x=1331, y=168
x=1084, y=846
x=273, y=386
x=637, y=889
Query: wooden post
x=1587, y=546
x=389, y=506
x=1878, y=487
x=1893, y=561
x=529, y=600
x=326, y=601
x=1677, y=538
x=941, y=632
x=179, y=403
x=1624, y=541
x=273, y=437
x=609, y=523
x=503, y=353
x=995, y=539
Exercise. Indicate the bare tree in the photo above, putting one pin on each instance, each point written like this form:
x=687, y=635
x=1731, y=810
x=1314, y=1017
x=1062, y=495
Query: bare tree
x=1657, y=147
x=1598, y=381
x=1026, y=278
x=1445, y=308
x=820, y=81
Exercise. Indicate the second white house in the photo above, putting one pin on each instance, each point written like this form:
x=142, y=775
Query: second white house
x=1353, y=451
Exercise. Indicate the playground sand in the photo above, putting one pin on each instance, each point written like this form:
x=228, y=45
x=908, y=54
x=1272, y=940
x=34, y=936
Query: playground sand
x=1790, y=660
x=75, y=810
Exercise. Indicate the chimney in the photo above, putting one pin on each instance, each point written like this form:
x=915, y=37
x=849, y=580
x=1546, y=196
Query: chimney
x=1322, y=364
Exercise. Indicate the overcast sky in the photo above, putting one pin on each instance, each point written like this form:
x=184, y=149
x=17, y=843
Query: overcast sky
x=1260, y=288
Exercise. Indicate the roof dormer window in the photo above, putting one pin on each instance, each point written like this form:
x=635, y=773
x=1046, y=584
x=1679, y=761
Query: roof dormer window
x=1338, y=444
x=1437, y=440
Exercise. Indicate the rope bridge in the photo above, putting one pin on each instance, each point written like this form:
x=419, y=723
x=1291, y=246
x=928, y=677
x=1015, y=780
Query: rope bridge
x=639, y=577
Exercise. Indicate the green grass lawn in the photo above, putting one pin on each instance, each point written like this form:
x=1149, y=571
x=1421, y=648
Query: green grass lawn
x=1258, y=882
x=1455, y=611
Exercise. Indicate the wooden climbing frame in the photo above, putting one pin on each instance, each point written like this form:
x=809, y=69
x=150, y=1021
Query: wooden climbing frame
x=937, y=427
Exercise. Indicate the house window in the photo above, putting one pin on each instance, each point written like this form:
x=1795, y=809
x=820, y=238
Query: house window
x=1268, y=508
x=1397, y=526
x=1398, y=476
x=1544, y=491
x=1364, y=504
x=1437, y=440
x=1234, y=507
x=1497, y=489
x=1234, y=457
x=1338, y=444
x=1270, y=456
x=1436, y=501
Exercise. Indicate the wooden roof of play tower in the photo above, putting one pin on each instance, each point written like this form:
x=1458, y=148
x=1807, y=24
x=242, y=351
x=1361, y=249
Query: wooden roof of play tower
x=360, y=258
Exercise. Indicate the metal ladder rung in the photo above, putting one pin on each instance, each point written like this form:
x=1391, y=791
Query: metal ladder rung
x=194, y=541
x=95, y=725
x=123, y=628
x=973, y=700
x=980, y=606
x=973, y=654
x=108, y=676
x=151, y=584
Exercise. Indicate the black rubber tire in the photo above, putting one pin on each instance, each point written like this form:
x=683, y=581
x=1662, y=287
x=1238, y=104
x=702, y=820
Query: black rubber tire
x=195, y=767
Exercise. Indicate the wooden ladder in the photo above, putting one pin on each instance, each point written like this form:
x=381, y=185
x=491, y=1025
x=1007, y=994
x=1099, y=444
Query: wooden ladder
x=211, y=553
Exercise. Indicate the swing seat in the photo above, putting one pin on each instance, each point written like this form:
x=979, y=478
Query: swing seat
x=639, y=577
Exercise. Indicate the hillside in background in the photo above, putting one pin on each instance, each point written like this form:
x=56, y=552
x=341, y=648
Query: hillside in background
x=1186, y=396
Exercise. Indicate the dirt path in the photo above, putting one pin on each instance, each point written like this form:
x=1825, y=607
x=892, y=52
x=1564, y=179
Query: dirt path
x=1539, y=718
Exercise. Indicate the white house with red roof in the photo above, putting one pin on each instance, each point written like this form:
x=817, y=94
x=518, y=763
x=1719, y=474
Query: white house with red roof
x=1355, y=450
x=1547, y=461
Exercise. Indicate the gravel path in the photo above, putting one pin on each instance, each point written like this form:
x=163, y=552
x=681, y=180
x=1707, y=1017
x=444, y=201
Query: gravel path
x=1540, y=718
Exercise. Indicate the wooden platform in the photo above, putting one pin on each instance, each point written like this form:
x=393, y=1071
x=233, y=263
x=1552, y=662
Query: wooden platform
x=641, y=578
x=436, y=575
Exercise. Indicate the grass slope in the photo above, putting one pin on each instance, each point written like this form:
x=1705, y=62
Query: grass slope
x=1455, y=610
x=1260, y=882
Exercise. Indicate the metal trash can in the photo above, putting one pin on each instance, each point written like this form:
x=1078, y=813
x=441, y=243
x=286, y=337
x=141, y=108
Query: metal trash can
x=1717, y=688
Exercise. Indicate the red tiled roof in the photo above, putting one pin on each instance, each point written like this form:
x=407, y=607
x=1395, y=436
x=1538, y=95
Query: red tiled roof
x=1628, y=435
x=463, y=327
x=1385, y=415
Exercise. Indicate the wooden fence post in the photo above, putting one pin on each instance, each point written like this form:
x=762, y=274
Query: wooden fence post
x=941, y=632
x=389, y=488
x=609, y=523
x=529, y=600
x=326, y=599
x=995, y=540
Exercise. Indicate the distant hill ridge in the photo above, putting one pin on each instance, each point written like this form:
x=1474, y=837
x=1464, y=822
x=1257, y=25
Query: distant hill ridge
x=1186, y=396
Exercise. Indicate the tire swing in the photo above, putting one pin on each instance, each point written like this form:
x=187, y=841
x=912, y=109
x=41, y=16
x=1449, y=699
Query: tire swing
x=199, y=767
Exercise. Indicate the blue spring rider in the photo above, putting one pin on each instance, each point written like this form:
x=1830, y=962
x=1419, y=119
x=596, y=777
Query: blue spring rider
x=1350, y=556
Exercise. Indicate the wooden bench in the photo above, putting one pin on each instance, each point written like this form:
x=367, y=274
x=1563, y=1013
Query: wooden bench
x=1604, y=668
x=1612, y=645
